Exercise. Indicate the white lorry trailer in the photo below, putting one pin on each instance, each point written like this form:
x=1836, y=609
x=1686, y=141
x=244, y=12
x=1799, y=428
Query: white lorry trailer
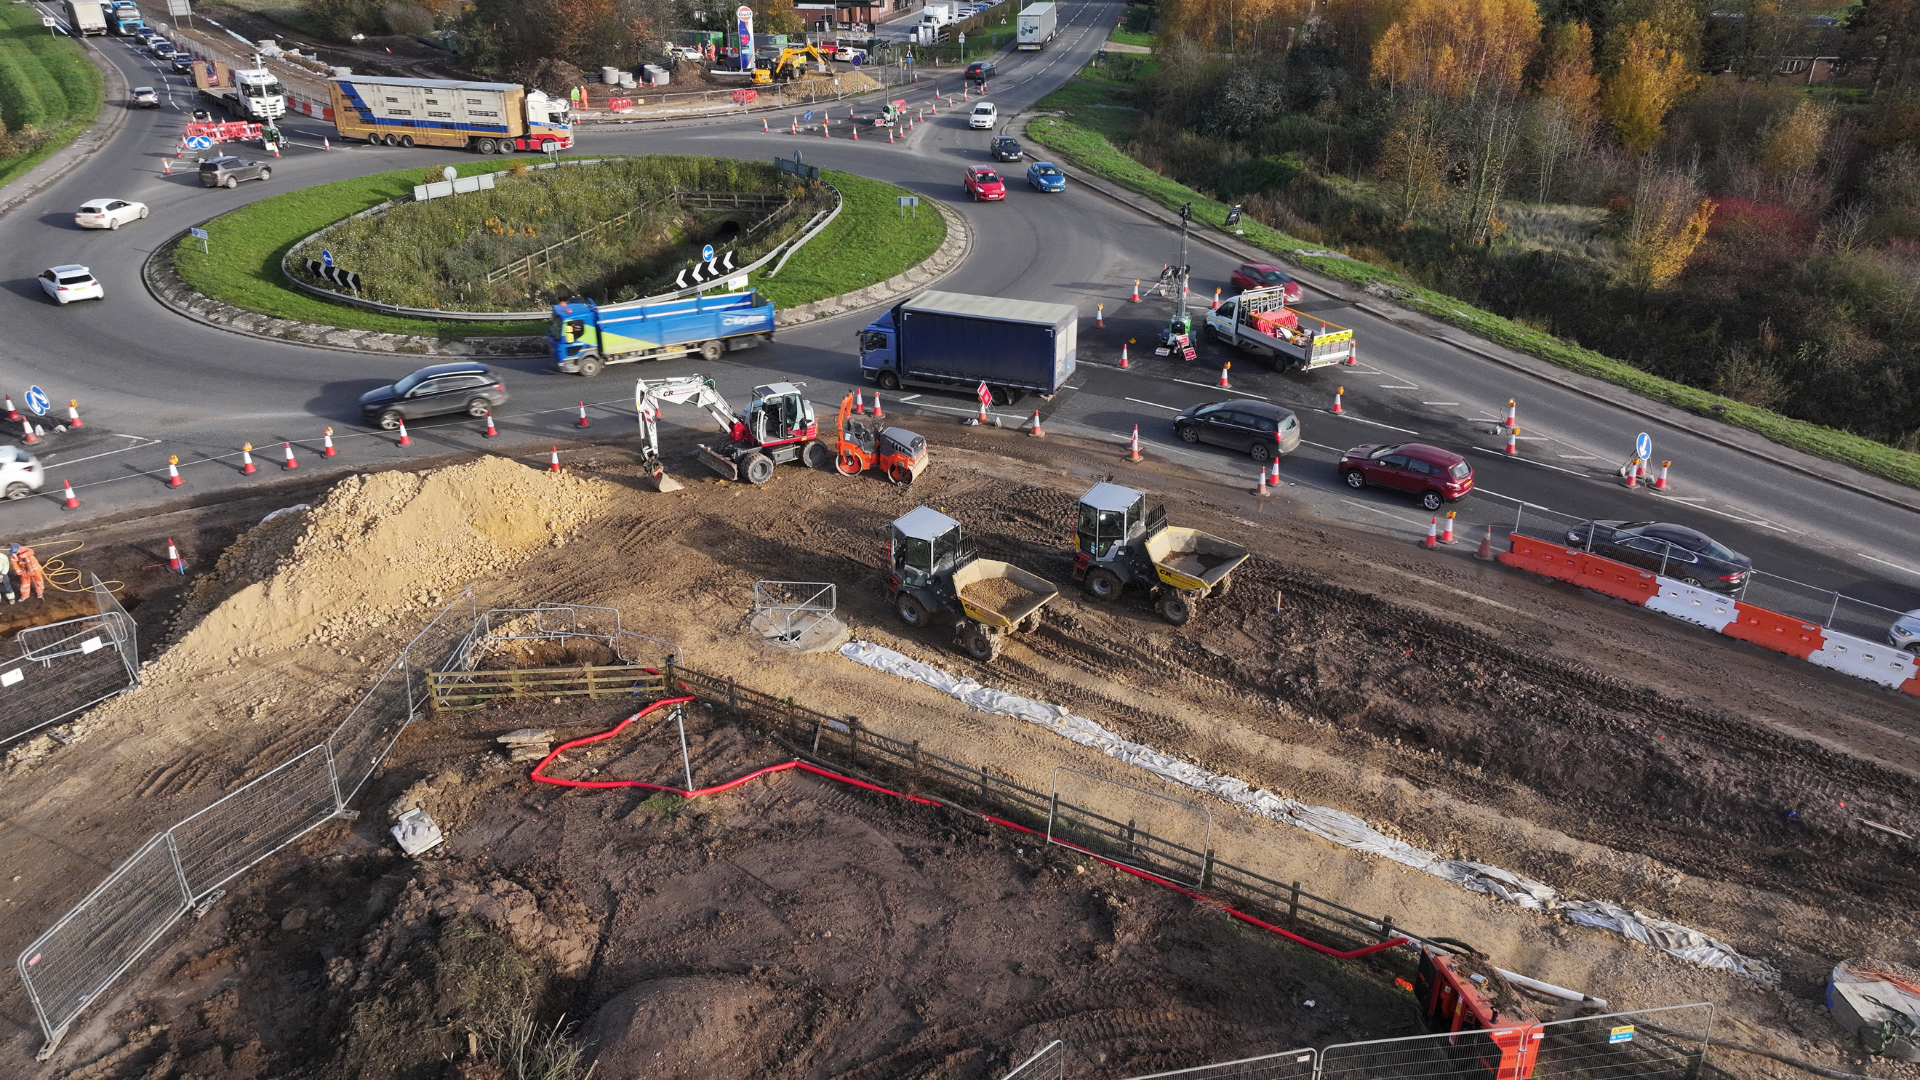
x=1038, y=24
x=86, y=17
x=486, y=118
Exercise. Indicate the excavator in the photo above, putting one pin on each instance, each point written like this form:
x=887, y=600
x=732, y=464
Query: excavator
x=777, y=426
x=789, y=64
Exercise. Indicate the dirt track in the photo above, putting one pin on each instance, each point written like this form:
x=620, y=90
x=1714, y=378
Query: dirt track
x=1452, y=703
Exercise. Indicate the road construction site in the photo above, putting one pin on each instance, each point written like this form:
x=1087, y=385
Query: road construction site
x=1461, y=707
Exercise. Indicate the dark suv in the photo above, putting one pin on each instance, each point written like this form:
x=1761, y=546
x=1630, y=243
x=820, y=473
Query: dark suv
x=229, y=171
x=1436, y=475
x=1687, y=555
x=435, y=391
x=980, y=71
x=1246, y=426
x=1006, y=148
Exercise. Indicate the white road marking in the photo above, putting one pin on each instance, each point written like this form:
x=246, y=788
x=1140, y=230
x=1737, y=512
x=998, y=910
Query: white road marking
x=1374, y=423
x=1579, y=457
x=1228, y=389
x=1397, y=386
x=1322, y=446
x=1528, y=461
x=1382, y=513
x=109, y=453
x=1884, y=562
x=911, y=397
x=1155, y=404
x=1440, y=403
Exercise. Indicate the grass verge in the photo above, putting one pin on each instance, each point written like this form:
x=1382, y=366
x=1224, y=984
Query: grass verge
x=49, y=90
x=868, y=242
x=1076, y=137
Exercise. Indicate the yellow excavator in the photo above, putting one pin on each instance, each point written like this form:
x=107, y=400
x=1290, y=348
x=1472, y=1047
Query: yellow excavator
x=789, y=64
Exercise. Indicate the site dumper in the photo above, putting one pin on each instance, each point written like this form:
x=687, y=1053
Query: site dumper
x=935, y=577
x=1118, y=543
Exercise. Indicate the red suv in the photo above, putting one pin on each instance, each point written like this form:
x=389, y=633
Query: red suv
x=1436, y=475
x=1250, y=276
x=984, y=183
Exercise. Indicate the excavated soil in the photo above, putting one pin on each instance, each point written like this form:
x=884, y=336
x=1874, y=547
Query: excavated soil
x=1460, y=706
x=996, y=594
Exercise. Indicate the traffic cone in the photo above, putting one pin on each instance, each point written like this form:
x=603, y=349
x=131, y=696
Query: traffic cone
x=290, y=463
x=859, y=404
x=404, y=440
x=889, y=136
x=12, y=413
x=763, y=127
x=1433, y=530
x=1338, y=393
x=1133, y=446
x=1276, y=472
x=1485, y=554
x=324, y=144
x=1513, y=420
x=1513, y=440
x=247, y=467
x=1216, y=299
x=1660, y=482
x=796, y=126
x=174, y=562
x=491, y=430
x=276, y=149
x=166, y=166
x=73, y=415
x=1223, y=376
x=1100, y=315
x=73, y=501
x=824, y=124
x=1035, y=430
x=554, y=466
x=173, y=472
x=1640, y=472
x=1136, y=291
x=1353, y=354
x=877, y=414
x=1628, y=478
x=326, y=443
x=29, y=438
x=1261, y=489
x=856, y=130
x=1446, y=533
x=1123, y=355
x=983, y=412
x=583, y=422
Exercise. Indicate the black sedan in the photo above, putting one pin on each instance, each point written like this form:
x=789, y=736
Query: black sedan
x=435, y=391
x=1246, y=426
x=1687, y=555
x=1006, y=148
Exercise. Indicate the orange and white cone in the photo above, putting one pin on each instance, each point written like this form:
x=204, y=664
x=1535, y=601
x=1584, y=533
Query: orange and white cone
x=73, y=415
x=1133, y=447
x=1123, y=355
x=1628, y=478
x=763, y=127
x=1446, y=532
x=491, y=430
x=583, y=421
x=326, y=443
x=26, y=432
x=166, y=166
x=1513, y=440
x=12, y=413
x=173, y=472
x=796, y=127
x=1261, y=488
x=1216, y=300
x=1660, y=482
x=404, y=439
x=1035, y=430
x=1433, y=532
x=554, y=465
x=1274, y=465
x=1223, y=376
x=247, y=467
x=877, y=414
x=1136, y=291
x=1640, y=472
x=324, y=144
x=1513, y=419
x=1100, y=315
x=174, y=562
x=73, y=501
x=1338, y=393
x=290, y=463
x=859, y=404
x=1485, y=554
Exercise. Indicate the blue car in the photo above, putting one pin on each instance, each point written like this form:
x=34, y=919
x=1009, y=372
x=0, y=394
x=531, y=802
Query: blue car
x=1046, y=176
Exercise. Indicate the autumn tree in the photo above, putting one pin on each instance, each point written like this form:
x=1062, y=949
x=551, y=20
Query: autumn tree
x=1647, y=80
x=1790, y=143
x=1412, y=160
x=1242, y=27
x=1568, y=104
x=1664, y=226
x=777, y=17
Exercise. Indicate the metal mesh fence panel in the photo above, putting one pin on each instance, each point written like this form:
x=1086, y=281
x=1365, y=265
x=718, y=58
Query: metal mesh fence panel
x=252, y=823
x=74, y=672
x=1048, y=1063
x=1467, y=1055
x=1650, y=1044
x=81, y=955
x=1286, y=1065
x=362, y=739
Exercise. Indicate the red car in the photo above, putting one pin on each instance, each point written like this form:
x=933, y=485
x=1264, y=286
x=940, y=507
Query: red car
x=1436, y=475
x=1265, y=276
x=985, y=183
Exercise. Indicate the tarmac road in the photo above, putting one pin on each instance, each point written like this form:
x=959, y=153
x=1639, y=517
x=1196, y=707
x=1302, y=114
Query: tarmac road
x=153, y=384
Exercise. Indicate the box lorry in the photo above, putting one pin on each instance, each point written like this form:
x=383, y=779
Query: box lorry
x=1015, y=347
x=486, y=118
x=1038, y=24
x=1260, y=322
x=586, y=337
x=86, y=17
x=123, y=18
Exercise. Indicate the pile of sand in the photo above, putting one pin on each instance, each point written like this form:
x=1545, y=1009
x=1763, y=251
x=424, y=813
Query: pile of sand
x=381, y=548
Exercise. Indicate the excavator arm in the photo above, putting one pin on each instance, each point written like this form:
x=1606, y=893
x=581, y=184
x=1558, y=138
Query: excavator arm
x=694, y=390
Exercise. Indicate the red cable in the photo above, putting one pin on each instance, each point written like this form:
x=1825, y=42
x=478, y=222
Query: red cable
x=828, y=774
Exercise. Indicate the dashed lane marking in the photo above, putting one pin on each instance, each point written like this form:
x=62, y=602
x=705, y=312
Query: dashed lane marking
x=1216, y=386
x=1155, y=404
x=1372, y=423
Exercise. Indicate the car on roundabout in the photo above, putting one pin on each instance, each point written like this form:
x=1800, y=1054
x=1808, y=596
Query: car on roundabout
x=440, y=390
x=1045, y=176
x=1006, y=148
x=71, y=282
x=1436, y=475
x=984, y=184
x=983, y=116
x=1250, y=276
x=144, y=97
x=1246, y=426
x=227, y=172
x=20, y=473
x=108, y=213
x=1689, y=556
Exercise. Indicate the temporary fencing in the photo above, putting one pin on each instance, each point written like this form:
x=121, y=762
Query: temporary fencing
x=786, y=610
x=187, y=867
x=1286, y=1065
x=1047, y=1063
x=65, y=668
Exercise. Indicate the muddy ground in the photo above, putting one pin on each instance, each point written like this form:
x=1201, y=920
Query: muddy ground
x=1466, y=708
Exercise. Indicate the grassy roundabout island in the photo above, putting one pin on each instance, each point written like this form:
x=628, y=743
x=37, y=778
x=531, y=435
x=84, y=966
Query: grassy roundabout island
x=435, y=256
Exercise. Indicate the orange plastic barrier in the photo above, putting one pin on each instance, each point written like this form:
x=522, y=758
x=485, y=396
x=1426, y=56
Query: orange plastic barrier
x=1587, y=571
x=1911, y=686
x=1540, y=557
x=1772, y=630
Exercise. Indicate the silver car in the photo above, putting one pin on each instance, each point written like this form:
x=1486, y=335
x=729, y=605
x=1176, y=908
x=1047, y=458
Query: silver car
x=1905, y=631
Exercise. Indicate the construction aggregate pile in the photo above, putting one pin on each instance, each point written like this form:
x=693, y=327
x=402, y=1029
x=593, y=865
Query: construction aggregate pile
x=996, y=594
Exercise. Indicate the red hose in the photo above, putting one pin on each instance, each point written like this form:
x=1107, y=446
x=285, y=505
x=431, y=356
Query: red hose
x=539, y=777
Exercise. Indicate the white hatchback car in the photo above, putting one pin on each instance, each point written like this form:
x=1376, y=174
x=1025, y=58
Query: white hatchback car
x=71, y=282
x=983, y=116
x=20, y=473
x=108, y=213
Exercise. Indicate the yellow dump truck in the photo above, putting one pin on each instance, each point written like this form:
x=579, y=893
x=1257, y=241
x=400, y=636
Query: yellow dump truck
x=933, y=575
x=1119, y=543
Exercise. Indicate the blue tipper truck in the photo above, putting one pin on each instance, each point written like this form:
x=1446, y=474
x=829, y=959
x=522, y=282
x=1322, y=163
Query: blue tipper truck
x=586, y=336
x=1016, y=347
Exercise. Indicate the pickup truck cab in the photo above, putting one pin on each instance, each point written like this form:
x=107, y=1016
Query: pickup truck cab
x=1259, y=322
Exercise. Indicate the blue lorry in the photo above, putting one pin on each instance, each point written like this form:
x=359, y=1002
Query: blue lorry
x=586, y=336
x=1015, y=347
x=123, y=18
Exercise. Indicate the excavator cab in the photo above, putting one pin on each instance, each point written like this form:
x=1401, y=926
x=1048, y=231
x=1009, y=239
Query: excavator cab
x=779, y=414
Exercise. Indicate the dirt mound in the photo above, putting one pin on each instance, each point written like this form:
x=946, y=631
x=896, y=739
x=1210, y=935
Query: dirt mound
x=556, y=77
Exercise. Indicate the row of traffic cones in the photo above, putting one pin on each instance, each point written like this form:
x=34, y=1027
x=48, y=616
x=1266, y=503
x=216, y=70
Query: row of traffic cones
x=860, y=406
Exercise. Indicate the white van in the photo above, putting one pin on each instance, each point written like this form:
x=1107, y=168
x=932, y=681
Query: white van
x=983, y=116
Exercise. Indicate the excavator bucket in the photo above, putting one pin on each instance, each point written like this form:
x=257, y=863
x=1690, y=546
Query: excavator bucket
x=664, y=483
x=724, y=466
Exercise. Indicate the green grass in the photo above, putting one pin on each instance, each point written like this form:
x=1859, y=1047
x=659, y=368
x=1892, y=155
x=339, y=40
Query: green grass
x=1132, y=37
x=867, y=243
x=49, y=90
x=1077, y=142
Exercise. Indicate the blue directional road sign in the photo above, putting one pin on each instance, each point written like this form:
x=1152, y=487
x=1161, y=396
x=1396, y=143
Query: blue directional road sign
x=199, y=142
x=1643, y=447
x=326, y=256
x=808, y=115
x=37, y=400
x=706, y=253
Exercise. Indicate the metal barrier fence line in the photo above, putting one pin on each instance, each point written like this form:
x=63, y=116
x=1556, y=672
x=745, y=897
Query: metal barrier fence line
x=1667, y=1043
x=1468, y=1055
x=1047, y=1063
x=67, y=667
x=788, y=609
x=1301, y=1064
x=1128, y=842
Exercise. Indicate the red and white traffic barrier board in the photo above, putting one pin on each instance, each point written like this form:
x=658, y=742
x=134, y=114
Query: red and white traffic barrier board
x=1874, y=661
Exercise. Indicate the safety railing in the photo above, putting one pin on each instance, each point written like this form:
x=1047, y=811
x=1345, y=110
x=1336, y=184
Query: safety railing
x=456, y=690
x=786, y=610
x=1285, y=1065
x=1047, y=1063
x=64, y=668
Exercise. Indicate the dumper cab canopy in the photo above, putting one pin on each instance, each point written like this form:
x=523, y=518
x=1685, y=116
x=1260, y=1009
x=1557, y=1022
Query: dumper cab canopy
x=1110, y=515
x=926, y=542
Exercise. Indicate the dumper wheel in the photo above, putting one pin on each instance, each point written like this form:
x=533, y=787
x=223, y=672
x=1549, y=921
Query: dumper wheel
x=847, y=464
x=1031, y=623
x=815, y=455
x=757, y=469
x=1103, y=583
x=978, y=642
x=899, y=474
x=591, y=366
x=1176, y=608
x=911, y=610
